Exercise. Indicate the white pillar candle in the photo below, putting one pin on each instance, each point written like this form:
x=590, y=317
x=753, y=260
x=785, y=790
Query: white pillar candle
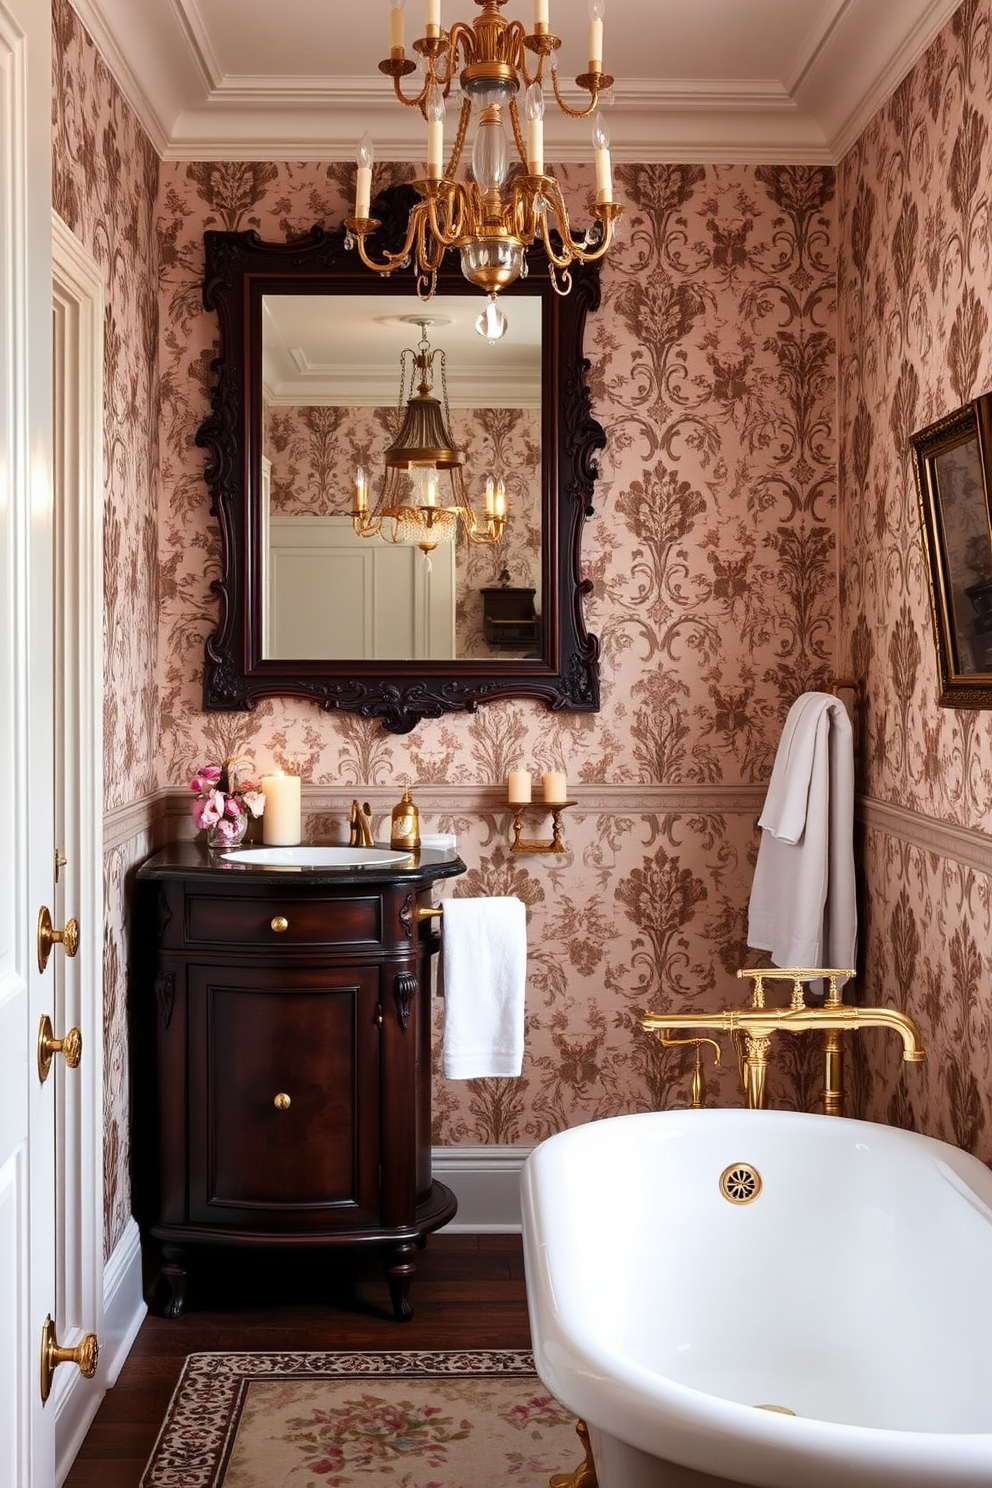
x=281, y=819
x=518, y=787
x=604, y=172
x=555, y=787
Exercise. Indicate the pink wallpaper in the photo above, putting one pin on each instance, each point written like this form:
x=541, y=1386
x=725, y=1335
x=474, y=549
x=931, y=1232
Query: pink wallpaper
x=713, y=555
x=914, y=343
x=712, y=558
x=105, y=181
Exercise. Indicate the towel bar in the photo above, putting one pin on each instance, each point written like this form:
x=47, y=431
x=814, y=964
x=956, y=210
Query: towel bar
x=427, y=911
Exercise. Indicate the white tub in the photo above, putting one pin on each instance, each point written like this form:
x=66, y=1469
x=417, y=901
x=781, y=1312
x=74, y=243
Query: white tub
x=855, y=1290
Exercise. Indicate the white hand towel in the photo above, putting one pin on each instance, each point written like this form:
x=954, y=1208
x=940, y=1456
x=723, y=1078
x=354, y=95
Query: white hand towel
x=803, y=905
x=484, y=971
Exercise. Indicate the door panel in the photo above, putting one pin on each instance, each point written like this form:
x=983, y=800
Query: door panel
x=27, y=1198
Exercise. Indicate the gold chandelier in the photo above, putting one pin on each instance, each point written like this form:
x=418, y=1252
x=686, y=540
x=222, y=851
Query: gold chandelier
x=492, y=216
x=409, y=509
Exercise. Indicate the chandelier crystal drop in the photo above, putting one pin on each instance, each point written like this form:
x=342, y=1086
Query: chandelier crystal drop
x=504, y=201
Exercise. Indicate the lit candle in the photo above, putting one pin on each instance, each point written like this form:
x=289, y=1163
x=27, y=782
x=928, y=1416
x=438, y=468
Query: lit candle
x=363, y=180
x=518, y=787
x=281, y=819
x=499, y=505
x=541, y=15
x=555, y=787
x=535, y=129
x=604, y=173
x=595, y=35
x=361, y=491
x=435, y=132
x=396, y=26
x=433, y=27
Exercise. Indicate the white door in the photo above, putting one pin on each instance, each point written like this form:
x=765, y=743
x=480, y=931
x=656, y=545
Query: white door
x=27, y=1196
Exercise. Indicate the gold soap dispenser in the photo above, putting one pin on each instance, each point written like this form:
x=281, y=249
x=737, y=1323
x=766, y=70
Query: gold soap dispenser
x=405, y=830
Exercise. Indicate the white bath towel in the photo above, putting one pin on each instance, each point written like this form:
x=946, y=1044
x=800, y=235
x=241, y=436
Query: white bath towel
x=484, y=972
x=803, y=899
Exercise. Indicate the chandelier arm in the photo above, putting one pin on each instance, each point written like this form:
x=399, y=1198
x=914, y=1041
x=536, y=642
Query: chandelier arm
x=464, y=119
x=430, y=245
x=446, y=233
x=392, y=260
x=461, y=36
x=418, y=102
x=566, y=108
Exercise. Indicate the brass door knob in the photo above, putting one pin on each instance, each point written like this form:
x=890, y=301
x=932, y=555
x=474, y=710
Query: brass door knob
x=85, y=1355
x=70, y=1047
x=68, y=938
x=282, y=1101
x=279, y=924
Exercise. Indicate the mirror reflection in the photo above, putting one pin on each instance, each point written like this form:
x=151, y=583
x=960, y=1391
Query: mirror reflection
x=332, y=402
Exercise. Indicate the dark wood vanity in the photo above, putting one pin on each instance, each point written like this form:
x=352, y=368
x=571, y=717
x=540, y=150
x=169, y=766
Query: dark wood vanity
x=281, y=1060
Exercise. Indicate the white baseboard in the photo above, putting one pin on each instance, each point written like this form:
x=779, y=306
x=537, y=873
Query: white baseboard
x=486, y=1183
x=123, y=1313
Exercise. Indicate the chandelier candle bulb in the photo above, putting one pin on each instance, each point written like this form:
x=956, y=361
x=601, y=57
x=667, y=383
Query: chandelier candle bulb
x=361, y=490
x=435, y=133
x=555, y=787
x=363, y=180
x=396, y=31
x=541, y=18
x=518, y=788
x=433, y=26
x=604, y=172
x=595, y=35
x=281, y=819
x=535, y=130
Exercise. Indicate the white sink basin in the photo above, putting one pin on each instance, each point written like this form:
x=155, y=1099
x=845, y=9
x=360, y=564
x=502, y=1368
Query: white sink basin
x=317, y=857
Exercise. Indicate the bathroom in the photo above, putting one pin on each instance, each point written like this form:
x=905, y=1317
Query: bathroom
x=768, y=339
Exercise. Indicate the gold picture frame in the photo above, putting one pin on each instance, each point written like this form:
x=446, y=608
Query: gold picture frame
x=952, y=461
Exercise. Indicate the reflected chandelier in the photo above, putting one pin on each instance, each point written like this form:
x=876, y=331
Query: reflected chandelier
x=496, y=213
x=409, y=509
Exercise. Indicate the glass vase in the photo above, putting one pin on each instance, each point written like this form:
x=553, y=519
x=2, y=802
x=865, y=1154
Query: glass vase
x=218, y=841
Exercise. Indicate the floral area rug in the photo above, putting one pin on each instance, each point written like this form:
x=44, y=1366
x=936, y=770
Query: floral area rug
x=405, y=1419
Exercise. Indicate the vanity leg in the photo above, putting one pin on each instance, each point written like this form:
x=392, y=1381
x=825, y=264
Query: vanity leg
x=173, y=1273
x=399, y=1274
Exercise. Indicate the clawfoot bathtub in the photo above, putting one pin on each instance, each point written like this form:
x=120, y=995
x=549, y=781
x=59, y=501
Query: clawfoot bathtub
x=685, y=1268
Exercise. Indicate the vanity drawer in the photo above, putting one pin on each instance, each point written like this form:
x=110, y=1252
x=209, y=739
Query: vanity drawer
x=277, y=921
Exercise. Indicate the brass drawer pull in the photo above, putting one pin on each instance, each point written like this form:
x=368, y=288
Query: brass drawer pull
x=279, y=924
x=282, y=1101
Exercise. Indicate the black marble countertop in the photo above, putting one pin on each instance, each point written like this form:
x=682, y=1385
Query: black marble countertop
x=193, y=860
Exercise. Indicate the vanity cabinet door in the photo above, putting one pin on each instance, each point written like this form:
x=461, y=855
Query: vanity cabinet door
x=283, y=1097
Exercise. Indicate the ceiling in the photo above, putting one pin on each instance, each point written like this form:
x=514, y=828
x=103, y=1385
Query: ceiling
x=697, y=80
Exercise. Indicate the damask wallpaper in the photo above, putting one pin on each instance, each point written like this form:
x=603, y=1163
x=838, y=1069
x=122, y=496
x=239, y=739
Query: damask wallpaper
x=711, y=556
x=915, y=274
x=742, y=308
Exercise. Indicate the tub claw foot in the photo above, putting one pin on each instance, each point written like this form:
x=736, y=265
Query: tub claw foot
x=584, y=1475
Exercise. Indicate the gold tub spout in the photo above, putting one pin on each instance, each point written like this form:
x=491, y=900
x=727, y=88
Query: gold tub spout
x=756, y=1025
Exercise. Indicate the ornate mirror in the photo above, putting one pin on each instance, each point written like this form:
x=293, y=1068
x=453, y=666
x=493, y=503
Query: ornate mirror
x=308, y=389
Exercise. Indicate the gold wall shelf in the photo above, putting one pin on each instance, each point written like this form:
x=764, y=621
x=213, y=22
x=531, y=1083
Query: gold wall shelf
x=555, y=843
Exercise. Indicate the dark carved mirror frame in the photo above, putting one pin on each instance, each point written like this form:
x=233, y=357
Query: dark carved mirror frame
x=240, y=269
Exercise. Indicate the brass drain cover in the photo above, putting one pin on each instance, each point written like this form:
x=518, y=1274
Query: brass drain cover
x=740, y=1183
x=782, y=1410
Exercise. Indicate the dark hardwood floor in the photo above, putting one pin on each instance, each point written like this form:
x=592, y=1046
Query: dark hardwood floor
x=468, y=1293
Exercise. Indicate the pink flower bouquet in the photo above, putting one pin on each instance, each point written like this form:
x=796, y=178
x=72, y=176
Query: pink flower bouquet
x=224, y=801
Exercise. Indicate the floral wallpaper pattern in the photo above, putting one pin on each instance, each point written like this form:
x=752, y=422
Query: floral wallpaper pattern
x=712, y=559
x=915, y=274
x=315, y=451
x=740, y=308
x=105, y=181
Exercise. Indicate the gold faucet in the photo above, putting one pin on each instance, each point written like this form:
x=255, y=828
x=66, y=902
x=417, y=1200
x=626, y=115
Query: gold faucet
x=359, y=826
x=753, y=1026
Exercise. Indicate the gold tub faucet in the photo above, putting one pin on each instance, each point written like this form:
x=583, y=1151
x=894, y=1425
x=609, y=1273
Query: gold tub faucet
x=359, y=826
x=753, y=1027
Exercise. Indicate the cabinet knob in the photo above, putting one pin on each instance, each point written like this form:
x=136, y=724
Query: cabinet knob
x=282, y=1101
x=279, y=924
